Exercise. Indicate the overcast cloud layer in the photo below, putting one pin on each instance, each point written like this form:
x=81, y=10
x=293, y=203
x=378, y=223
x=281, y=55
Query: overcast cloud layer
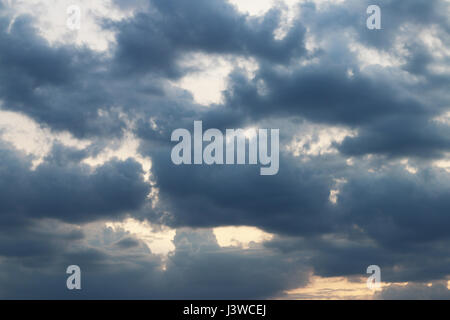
x=364, y=116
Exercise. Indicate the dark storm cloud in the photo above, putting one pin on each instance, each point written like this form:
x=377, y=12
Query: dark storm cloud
x=59, y=86
x=75, y=89
x=397, y=207
x=400, y=136
x=351, y=251
x=127, y=243
x=393, y=117
x=69, y=192
x=71, y=96
x=246, y=274
x=37, y=239
x=413, y=291
x=196, y=269
x=387, y=217
x=413, y=14
x=291, y=201
x=323, y=93
x=392, y=218
x=154, y=41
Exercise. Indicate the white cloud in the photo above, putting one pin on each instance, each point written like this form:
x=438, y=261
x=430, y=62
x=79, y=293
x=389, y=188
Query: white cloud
x=159, y=240
x=51, y=20
x=240, y=236
x=253, y=7
x=315, y=140
x=209, y=75
x=122, y=149
x=33, y=139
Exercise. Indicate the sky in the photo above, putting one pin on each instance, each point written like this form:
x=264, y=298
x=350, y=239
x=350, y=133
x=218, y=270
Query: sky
x=86, y=178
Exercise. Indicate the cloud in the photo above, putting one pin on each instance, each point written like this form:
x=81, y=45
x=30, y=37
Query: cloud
x=204, y=197
x=115, y=273
x=152, y=41
x=433, y=291
x=64, y=189
x=372, y=99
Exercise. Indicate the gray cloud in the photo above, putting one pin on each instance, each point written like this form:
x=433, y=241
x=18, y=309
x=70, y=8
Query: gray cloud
x=194, y=270
x=69, y=192
x=155, y=40
x=384, y=215
x=437, y=291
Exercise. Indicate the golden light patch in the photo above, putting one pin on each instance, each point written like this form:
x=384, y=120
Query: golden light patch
x=240, y=236
x=160, y=241
x=336, y=288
